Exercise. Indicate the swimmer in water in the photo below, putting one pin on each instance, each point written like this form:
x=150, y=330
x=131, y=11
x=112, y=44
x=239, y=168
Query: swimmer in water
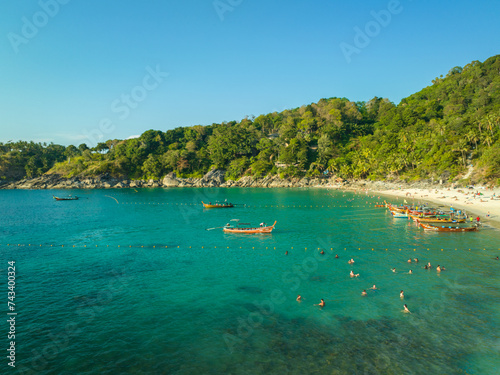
x=394, y=270
x=363, y=293
x=401, y=295
x=438, y=269
x=321, y=303
x=352, y=274
x=409, y=260
x=416, y=260
x=351, y=261
x=410, y=272
x=299, y=298
x=373, y=287
x=405, y=309
x=336, y=256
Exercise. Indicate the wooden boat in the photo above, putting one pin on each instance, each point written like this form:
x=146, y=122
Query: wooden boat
x=438, y=220
x=399, y=215
x=447, y=229
x=217, y=205
x=69, y=198
x=246, y=230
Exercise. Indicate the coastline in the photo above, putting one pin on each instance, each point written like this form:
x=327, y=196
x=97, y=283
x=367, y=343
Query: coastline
x=443, y=195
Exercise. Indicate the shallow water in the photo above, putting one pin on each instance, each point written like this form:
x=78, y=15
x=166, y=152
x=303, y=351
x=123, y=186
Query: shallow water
x=130, y=281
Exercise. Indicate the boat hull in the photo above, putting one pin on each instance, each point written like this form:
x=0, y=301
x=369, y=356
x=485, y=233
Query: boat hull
x=268, y=229
x=228, y=205
x=447, y=229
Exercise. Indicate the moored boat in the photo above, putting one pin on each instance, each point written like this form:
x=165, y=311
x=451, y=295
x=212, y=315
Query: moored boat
x=217, y=205
x=68, y=198
x=248, y=230
x=437, y=220
x=447, y=229
x=399, y=215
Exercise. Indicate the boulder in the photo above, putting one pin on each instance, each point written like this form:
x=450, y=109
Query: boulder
x=170, y=181
x=214, y=178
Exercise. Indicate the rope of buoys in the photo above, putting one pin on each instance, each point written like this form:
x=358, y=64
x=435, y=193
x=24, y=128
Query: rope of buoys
x=240, y=247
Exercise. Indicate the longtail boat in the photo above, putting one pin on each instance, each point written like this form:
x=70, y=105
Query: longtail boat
x=399, y=215
x=217, y=205
x=247, y=230
x=447, y=229
x=70, y=198
x=437, y=220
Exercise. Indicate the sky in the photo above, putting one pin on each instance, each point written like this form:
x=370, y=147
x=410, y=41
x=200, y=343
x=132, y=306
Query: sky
x=75, y=71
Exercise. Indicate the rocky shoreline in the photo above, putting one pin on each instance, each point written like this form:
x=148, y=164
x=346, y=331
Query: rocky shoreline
x=215, y=178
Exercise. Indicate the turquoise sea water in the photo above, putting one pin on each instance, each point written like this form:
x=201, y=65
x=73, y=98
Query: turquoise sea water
x=131, y=282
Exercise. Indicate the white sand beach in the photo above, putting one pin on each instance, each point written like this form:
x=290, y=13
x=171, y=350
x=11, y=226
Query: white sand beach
x=486, y=204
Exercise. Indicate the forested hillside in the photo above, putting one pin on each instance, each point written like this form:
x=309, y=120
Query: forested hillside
x=435, y=133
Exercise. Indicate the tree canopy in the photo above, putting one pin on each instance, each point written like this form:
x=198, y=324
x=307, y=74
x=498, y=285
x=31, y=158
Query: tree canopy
x=435, y=133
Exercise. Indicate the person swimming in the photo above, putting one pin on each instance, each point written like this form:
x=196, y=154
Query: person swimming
x=405, y=309
x=351, y=261
x=352, y=274
x=373, y=287
x=401, y=295
x=299, y=298
x=363, y=293
x=394, y=270
x=410, y=272
x=321, y=303
x=416, y=260
x=409, y=260
x=336, y=256
x=438, y=269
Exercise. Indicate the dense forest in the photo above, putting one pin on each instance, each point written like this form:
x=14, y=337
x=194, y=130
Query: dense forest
x=435, y=133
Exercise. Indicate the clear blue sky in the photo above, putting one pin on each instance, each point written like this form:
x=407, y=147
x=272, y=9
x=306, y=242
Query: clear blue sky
x=71, y=70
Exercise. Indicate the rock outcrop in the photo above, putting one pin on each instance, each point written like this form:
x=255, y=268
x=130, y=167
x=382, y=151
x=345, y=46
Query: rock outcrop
x=214, y=178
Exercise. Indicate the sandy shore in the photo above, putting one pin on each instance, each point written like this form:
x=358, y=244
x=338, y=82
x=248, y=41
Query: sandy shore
x=486, y=205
